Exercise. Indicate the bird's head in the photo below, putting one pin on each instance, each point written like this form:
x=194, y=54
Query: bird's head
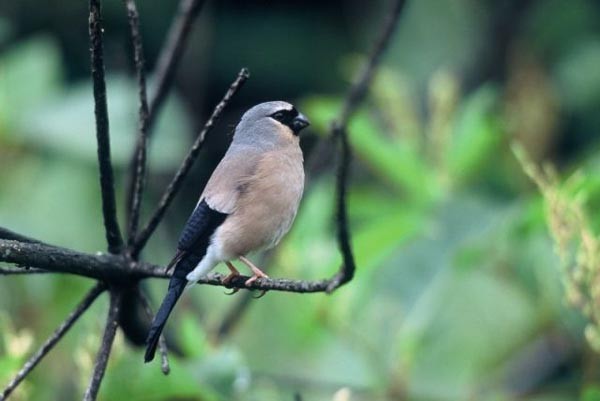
x=270, y=121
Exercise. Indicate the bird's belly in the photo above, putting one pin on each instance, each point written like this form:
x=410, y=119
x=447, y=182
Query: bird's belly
x=257, y=225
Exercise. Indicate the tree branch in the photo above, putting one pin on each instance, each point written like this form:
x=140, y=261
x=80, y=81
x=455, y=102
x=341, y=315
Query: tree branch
x=109, y=208
x=138, y=178
x=355, y=96
x=358, y=90
x=171, y=53
x=83, y=306
x=5, y=233
x=16, y=272
x=168, y=61
x=185, y=167
x=108, y=338
x=119, y=270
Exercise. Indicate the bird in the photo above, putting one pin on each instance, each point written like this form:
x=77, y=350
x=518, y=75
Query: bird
x=248, y=204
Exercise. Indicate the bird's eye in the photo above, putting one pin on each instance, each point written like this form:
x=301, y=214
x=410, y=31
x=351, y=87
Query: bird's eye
x=278, y=116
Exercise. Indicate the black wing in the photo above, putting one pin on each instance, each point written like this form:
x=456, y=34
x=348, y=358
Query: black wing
x=195, y=237
x=200, y=226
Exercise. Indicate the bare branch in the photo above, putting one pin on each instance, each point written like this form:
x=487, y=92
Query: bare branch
x=162, y=344
x=119, y=270
x=171, y=53
x=352, y=100
x=57, y=259
x=358, y=90
x=168, y=60
x=104, y=352
x=109, y=208
x=175, y=184
x=53, y=340
x=5, y=233
x=17, y=272
x=138, y=178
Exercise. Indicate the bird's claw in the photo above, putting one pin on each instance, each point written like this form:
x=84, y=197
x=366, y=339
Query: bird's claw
x=262, y=294
x=255, y=277
x=233, y=291
x=230, y=277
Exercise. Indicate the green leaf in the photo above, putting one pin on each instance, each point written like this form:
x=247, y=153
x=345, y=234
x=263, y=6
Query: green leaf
x=591, y=393
x=191, y=336
x=477, y=136
x=395, y=161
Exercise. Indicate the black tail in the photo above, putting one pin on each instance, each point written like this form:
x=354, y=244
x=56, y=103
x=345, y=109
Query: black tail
x=176, y=286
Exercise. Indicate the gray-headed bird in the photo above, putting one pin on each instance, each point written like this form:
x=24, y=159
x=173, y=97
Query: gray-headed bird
x=248, y=204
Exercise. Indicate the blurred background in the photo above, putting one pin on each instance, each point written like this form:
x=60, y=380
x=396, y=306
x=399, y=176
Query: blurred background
x=473, y=282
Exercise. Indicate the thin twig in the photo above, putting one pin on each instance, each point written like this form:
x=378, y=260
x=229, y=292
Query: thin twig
x=53, y=339
x=172, y=50
x=107, y=182
x=359, y=89
x=168, y=61
x=110, y=329
x=185, y=167
x=139, y=170
x=355, y=96
x=162, y=344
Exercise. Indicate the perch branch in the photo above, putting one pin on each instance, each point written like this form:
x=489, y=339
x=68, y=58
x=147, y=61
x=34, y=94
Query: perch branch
x=109, y=208
x=139, y=168
x=353, y=99
x=175, y=184
x=110, y=330
x=162, y=344
x=119, y=270
x=83, y=306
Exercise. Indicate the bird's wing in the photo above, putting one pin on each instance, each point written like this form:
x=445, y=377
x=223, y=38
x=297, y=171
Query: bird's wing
x=230, y=178
x=197, y=231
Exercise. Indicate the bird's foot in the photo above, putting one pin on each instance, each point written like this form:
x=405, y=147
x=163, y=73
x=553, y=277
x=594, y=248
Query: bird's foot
x=257, y=274
x=233, y=272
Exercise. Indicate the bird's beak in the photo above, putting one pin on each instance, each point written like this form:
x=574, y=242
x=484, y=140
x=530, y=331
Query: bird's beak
x=299, y=123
